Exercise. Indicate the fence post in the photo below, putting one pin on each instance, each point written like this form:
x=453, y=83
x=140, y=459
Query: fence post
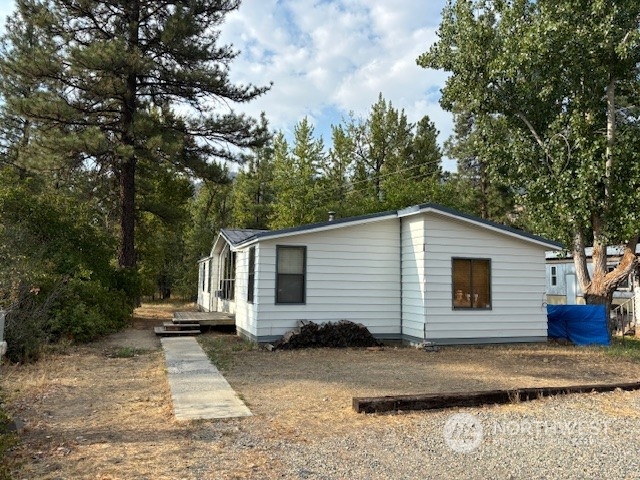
x=3, y=344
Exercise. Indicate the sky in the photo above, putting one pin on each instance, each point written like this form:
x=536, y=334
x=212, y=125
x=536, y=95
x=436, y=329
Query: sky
x=327, y=58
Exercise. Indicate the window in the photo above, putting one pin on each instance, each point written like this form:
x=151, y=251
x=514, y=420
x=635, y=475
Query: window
x=554, y=276
x=228, y=274
x=203, y=270
x=252, y=274
x=471, y=283
x=209, y=270
x=624, y=283
x=290, y=274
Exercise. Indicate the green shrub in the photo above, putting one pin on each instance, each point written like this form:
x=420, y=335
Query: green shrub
x=88, y=310
x=57, y=278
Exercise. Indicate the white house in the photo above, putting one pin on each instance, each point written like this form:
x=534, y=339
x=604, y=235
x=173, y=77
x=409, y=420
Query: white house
x=422, y=273
x=563, y=287
x=562, y=284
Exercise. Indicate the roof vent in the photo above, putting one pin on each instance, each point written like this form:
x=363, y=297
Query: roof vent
x=332, y=216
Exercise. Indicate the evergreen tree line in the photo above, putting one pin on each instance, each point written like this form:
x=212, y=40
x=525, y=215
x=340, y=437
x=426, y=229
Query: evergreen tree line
x=117, y=147
x=377, y=163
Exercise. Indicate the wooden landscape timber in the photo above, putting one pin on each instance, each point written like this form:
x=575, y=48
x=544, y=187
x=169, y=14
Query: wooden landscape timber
x=433, y=401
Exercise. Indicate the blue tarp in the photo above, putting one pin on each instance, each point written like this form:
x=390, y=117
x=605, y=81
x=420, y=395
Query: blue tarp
x=580, y=324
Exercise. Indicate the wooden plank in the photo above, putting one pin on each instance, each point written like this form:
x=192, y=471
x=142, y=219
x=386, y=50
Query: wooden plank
x=431, y=401
x=204, y=318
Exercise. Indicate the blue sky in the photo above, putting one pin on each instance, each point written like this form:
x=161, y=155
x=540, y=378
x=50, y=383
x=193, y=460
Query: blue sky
x=327, y=58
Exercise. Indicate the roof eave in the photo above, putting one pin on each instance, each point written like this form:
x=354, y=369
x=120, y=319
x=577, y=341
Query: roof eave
x=498, y=228
x=276, y=234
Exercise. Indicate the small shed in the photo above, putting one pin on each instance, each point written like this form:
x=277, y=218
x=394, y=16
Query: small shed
x=422, y=273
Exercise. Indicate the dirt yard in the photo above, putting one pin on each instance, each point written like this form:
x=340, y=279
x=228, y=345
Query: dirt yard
x=103, y=411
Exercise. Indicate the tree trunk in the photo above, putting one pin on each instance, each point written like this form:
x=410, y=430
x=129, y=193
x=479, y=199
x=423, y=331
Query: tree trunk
x=484, y=190
x=127, y=253
x=599, y=288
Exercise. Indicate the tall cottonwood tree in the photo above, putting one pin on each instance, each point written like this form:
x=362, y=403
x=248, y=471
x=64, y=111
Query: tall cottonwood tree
x=108, y=77
x=564, y=77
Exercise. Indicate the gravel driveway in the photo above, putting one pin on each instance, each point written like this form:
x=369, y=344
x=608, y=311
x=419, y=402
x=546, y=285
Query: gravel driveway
x=91, y=415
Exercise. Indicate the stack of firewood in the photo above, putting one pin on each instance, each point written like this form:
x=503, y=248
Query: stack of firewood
x=332, y=335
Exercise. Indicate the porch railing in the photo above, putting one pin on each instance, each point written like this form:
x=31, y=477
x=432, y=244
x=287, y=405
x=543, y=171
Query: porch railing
x=623, y=316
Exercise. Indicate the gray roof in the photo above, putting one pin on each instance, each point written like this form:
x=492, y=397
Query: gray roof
x=261, y=234
x=236, y=237
x=239, y=237
x=612, y=251
x=498, y=226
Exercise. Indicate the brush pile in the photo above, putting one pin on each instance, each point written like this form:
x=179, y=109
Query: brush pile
x=340, y=334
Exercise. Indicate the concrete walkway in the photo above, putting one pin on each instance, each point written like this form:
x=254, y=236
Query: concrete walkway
x=198, y=389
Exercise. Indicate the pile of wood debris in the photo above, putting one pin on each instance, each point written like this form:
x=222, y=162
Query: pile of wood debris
x=340, y=334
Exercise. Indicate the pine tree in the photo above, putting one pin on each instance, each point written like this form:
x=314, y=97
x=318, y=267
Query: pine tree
x=253, y=193
x=295, y=178
x=108, y=76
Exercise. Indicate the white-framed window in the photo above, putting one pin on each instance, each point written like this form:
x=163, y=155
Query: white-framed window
x=209, y=269
x=554, y=276
x=227, y=274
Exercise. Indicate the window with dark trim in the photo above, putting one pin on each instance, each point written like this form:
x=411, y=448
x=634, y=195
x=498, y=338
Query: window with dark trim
x=290, y=274
x=203, y=272
x=209, y=270
x=228, y=274
x=471, y=283
x=252, y=274
x=554, y=276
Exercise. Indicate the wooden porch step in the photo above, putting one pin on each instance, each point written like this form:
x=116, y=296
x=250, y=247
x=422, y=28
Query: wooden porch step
x=163, y=332
x=181, y=326
x=188, y=321
x=205, y=318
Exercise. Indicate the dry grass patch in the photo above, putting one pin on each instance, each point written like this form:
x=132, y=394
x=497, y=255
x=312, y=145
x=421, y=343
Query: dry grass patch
x=94, y=414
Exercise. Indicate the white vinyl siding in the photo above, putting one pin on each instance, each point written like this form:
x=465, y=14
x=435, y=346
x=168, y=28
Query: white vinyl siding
x=243, y=309
x=352, y=273
x=203, y=295
x=517, y=283
x=413, y=276
x=566, y=268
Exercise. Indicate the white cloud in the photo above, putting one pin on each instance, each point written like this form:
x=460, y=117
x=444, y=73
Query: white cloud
x=327, y=58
